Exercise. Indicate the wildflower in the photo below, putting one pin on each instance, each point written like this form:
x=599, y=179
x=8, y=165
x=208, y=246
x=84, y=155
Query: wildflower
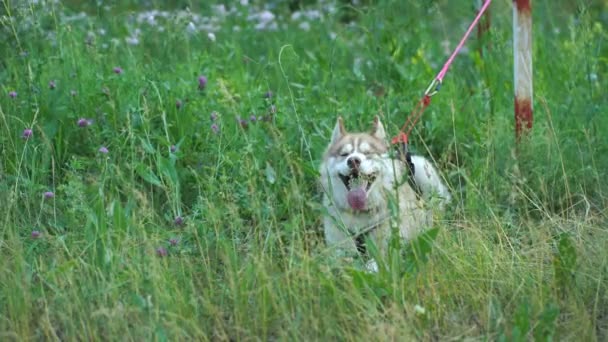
x=118, y=70
x=52, y=85
x=265, y=20
x=179, y=221
x=12, y=94
x=268, y=94
x=202, y=82
x=252, y=118
x=173, y=148
x=242, y=122
x=73, y=93
x=82, y=122
x=273, y=109
x=27, y=133
x=173, y=241
x=132, y=40
x=49, y=194
x=213, y=116
x=178, y=104
x=103, y=150
x=304, y=26
x=215, y=128
x=36, y=234
x=191, y=28
x=211, y=36
x=161, y=251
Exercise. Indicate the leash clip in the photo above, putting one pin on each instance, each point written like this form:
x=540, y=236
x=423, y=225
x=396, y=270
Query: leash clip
x=400, y=142
x=433, y=88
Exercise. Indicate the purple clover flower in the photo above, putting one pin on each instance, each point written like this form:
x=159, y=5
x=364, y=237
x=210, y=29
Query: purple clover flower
x=27, y=133
x=173, y=241
x=242, y=122
x=36, y=234
x=202, y=82
x=118, y=70
x=49, y=194
x=173, y=148
x=12, y=94
x=252, y=118
x=161, y=252
x=215, y=128
x=179, y=221
x=82, y=122
x=268, y=94
x=213, y=116
x=103, y=150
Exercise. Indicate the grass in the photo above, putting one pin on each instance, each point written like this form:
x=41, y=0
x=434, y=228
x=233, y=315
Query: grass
x=219, y=238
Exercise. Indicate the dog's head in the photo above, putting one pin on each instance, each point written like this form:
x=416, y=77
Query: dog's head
x=355, y=165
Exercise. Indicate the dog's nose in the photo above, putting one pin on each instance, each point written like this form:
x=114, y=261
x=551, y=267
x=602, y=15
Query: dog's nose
x=353, y=162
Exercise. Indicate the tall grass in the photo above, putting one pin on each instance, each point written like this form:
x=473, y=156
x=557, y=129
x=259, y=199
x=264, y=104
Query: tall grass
x=201, y=222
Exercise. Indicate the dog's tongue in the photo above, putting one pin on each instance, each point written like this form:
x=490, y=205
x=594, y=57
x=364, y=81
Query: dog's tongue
x=357, y=197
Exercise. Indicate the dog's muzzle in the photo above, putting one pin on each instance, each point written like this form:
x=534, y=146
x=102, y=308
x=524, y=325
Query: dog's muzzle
x=356, y=178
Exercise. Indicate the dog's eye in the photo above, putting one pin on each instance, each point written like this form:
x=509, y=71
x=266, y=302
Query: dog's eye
x=343, y=154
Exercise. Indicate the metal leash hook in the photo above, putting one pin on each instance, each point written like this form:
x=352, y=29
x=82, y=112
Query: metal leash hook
x=400, y=142
x=436, y=84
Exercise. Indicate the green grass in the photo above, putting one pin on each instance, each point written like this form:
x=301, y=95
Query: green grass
x=521, y=254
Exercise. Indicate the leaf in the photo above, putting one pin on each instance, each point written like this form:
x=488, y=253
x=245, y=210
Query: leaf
x=147, y=146
x=271, y=175
x=297, y=85
x=567, y=253
x=564, y=262
x=418, y=250
x=545, y=326
x=167, y=168
x=144, y=172
x=522, y=322
x=357, y=70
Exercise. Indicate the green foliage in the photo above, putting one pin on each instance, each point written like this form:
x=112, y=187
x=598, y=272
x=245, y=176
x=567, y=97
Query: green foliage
x=203, y=219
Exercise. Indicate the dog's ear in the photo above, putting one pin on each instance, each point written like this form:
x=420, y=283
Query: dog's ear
x=339, y=131
x=378, y=129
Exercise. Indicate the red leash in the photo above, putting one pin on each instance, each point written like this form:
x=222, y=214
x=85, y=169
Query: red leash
x=435, y=85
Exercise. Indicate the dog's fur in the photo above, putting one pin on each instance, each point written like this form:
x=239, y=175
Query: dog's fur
x=366, y=156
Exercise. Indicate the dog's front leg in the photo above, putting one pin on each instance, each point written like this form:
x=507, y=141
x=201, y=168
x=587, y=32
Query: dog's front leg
x=338, y=238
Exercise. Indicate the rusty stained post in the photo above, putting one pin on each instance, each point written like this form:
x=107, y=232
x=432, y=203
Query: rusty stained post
x=522, y=58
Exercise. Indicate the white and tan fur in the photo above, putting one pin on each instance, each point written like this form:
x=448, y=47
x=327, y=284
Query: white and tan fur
x=370, y=153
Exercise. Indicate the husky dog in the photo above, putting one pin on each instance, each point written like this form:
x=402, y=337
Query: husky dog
x=360, y=180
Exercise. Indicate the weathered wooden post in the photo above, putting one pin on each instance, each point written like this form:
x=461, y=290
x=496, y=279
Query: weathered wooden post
x=522, y=55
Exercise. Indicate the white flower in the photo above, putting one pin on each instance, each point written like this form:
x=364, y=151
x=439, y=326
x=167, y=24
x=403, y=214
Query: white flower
x=211, y=36
x=419, y=309
x=304, y=26
x=132, y=40
x=191, y=28
x=266, y=16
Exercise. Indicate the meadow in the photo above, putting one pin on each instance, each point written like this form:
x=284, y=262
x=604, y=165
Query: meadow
x=159, y=167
